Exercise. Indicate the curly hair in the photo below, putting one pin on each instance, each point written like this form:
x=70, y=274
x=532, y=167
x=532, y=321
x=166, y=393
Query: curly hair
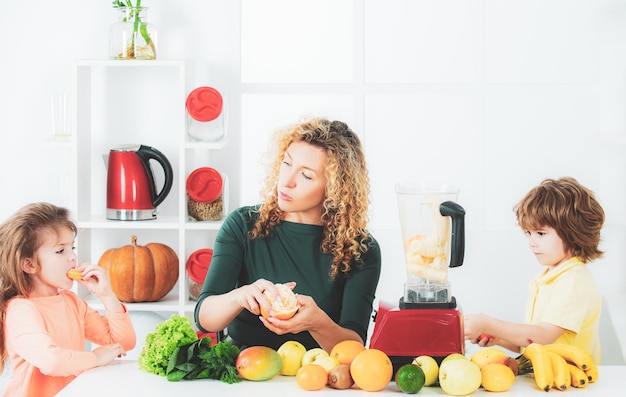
x=570, y=209
x=346, y=201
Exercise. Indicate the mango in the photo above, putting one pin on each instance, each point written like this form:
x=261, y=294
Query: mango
x=258, y=363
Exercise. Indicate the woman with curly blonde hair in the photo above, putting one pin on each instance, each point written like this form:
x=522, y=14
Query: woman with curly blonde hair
x=310, y=233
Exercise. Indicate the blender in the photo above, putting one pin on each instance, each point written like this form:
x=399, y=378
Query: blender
x=427, y=319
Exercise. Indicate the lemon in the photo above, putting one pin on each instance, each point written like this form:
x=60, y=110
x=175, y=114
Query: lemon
x=410, y=378
x=497, y=377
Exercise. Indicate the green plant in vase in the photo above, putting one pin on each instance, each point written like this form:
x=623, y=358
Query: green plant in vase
x=132, y=37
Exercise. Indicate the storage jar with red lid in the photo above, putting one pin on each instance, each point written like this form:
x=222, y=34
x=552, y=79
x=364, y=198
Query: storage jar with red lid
x=197, y=267
x=205, y=107
x=205, y=187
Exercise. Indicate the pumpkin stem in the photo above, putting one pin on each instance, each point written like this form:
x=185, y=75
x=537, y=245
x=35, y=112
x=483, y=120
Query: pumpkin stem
x=133, y=240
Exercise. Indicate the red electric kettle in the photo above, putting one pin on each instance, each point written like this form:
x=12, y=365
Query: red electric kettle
x=131, y=189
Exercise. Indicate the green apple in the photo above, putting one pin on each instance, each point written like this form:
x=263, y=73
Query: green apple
x=459, y=377
x=430, y=368
x=291, y=352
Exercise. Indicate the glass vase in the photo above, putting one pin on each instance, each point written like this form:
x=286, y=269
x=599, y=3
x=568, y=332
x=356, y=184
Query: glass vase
x=132, y=36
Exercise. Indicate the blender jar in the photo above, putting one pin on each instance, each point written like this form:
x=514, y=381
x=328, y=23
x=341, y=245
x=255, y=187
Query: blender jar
x=432, y=226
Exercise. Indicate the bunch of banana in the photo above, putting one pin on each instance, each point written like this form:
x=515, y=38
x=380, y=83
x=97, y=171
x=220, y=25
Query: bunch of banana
x=578, y=357
x=558, y=366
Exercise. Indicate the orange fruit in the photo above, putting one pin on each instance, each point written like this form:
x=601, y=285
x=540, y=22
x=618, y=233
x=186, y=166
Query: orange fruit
x=346, y=350
x=311, y=377
x=75, y=274
x=497, y=377
x=371, y=370
x=282, y=309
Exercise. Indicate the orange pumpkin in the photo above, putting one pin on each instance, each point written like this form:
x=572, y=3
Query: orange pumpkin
x=141, y=273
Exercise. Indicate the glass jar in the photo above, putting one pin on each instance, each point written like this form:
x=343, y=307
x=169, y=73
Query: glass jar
x=197, y=267
x=132, y=37
x=205, y=187
x=206, y=110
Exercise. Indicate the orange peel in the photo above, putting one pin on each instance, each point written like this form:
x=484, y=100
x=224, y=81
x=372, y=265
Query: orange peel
x=282, y=309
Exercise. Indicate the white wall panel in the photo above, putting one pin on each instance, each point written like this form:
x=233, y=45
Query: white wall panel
x=303, y=41
x=539, y=41
x=426, y=42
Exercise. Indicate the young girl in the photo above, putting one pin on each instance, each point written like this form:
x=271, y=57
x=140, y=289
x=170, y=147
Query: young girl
x=562, y=220
x=44, y=325
x=310, y=229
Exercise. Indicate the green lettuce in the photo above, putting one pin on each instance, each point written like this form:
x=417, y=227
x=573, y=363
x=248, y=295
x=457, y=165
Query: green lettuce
x=161, y=344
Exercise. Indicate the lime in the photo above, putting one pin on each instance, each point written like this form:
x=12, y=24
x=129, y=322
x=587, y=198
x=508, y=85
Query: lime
x=410, y=378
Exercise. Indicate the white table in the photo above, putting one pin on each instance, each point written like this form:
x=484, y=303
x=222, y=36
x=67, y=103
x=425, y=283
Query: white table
x=124, y=378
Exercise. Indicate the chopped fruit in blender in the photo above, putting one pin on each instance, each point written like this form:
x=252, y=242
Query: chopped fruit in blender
x=426, y=255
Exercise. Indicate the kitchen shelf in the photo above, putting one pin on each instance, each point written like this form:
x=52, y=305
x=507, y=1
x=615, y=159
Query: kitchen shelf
x=136, y=102
x=166, y=222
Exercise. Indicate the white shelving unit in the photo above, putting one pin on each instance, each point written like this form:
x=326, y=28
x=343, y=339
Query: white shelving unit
x=136, y=102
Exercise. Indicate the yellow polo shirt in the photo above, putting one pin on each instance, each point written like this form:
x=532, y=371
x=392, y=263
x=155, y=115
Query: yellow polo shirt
x=567, y=296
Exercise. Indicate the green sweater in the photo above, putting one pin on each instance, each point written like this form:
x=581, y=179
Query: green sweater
x=291, y=252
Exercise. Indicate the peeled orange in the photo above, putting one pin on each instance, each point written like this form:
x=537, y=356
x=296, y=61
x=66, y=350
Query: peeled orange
x=371, y=370
x=346, y=350
x=283, y=308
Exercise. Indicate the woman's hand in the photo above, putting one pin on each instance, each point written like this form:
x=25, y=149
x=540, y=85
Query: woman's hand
x=251, y=298
x=312, y=319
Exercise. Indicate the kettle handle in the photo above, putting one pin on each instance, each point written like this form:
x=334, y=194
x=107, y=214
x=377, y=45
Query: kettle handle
x=457, y=213
x=147, y=153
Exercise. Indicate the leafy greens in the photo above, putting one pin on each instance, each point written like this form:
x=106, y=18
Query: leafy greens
x=160, y=344
x=200, y=360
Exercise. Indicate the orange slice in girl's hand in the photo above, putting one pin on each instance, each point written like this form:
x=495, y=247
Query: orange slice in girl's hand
x=75, y=274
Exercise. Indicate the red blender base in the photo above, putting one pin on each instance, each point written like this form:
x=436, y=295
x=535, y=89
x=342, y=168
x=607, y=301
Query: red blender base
x=432, y=329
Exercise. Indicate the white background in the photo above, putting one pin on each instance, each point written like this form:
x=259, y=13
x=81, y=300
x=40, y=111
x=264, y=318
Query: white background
x=490, y=95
